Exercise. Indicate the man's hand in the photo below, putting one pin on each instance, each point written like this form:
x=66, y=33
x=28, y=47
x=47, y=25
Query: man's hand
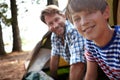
x=54, y=63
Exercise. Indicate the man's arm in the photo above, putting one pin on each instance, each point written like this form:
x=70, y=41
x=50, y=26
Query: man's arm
x=77, y=71
x=91, y=73
x=54, y=63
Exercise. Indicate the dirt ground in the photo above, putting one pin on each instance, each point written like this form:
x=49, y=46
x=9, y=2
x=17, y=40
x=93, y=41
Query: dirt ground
x=12, y=66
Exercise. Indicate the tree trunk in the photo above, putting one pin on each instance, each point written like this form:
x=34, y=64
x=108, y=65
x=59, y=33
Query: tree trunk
x=52, y=2
x=115, y=8
x=2, y=50
x=15, y=28
x=49, y=2
x=118, y=13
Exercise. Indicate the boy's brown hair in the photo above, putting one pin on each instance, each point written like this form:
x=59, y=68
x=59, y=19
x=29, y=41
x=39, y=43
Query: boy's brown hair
x=50, y=10
x=87, y=5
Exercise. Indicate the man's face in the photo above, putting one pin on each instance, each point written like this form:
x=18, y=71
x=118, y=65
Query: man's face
x=56, y=23
x=90, y=24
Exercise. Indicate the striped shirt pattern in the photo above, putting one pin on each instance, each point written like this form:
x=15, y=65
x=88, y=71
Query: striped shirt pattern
x=73, y=49
x=107, y=57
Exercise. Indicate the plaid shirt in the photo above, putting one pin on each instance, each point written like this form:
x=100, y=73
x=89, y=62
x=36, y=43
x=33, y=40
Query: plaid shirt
x=73, y=48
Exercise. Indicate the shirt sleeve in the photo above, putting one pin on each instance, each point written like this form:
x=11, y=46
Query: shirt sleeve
x=54, y=44
x=76, y=46
x=89, y=56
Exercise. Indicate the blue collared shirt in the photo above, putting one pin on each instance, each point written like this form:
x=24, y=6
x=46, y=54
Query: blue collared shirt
x=73, y=49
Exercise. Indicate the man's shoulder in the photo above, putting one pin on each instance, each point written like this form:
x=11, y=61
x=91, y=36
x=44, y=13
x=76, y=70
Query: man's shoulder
x=54, y=37
x=70, y=29
x=69, y=25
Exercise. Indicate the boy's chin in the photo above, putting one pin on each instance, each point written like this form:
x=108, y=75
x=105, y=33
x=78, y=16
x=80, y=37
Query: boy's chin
x=88, y=38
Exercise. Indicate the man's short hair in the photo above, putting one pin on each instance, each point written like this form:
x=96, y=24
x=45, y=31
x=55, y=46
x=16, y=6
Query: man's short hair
x=50, y=10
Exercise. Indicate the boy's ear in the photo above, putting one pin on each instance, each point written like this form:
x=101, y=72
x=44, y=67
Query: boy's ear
x=106, y=13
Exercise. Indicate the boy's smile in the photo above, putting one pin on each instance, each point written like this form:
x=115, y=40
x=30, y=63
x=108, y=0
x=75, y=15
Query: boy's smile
x=88, y=29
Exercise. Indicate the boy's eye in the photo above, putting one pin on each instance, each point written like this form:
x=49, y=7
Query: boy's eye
x=76, y=19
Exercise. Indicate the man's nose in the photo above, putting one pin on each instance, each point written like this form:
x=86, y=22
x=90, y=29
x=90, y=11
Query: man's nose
x=55, y=25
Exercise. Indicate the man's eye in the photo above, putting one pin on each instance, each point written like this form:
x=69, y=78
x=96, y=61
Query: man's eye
x=50, y=24
x=57, y=19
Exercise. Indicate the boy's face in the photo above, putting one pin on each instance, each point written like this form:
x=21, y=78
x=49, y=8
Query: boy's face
x=56, y=23
x=91, y=25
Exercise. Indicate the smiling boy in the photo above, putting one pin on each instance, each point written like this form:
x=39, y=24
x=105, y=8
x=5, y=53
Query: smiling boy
x=90, y=18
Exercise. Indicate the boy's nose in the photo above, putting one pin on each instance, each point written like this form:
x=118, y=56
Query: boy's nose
x=84, y=21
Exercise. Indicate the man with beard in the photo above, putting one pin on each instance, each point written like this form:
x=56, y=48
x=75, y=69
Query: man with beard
x=65, y=42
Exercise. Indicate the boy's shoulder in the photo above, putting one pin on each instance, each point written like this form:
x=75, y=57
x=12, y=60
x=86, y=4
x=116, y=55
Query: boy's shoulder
x=117, y=28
